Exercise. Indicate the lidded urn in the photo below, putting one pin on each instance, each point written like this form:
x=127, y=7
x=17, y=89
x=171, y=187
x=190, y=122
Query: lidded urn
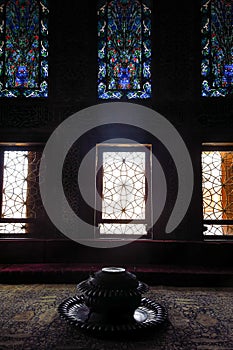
x=112, y=294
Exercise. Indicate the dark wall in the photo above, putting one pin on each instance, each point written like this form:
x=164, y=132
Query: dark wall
x=176, y=89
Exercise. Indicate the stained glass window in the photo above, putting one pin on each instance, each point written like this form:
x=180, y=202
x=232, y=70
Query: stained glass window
x=217, y=189
x=23, y=48
x=124, y=49
x=217, y=47
x=124, y=183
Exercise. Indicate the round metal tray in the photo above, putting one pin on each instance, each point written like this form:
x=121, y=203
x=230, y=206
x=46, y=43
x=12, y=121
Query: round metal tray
x=148, y=315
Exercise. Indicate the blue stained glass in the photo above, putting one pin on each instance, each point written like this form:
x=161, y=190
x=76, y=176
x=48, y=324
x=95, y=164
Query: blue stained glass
x=217, y=48
x=124, y=49
x=24, y=48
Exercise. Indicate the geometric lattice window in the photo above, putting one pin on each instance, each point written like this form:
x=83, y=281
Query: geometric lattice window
x=217, y=188
x=124, y=49
x=217, y=47
x=23, y=48
x=20, y=192
x=124, y=185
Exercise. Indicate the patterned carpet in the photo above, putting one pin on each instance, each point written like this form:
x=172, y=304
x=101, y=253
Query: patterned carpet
x=199, y=319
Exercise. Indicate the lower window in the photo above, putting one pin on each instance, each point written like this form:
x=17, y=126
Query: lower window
x=20, y=197
x=217, y=189
x=123, y=190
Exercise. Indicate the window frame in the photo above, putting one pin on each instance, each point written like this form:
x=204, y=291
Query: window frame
x=100, y=149
x=218, y=147
x=4, y=146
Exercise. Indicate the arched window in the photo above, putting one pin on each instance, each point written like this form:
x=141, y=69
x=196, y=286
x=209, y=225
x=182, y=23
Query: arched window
x=23, y=48
x=124, y=49
x=217, y=47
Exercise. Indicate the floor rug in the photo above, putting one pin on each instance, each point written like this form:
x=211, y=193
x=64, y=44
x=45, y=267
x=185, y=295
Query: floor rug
x=198, y=319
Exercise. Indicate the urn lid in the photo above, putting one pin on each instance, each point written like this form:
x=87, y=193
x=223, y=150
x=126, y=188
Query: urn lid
x=114, y=278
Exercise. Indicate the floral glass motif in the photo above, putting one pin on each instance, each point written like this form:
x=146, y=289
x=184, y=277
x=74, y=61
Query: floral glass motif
x=23, y=48
x=217, y=48
x=124, y=49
